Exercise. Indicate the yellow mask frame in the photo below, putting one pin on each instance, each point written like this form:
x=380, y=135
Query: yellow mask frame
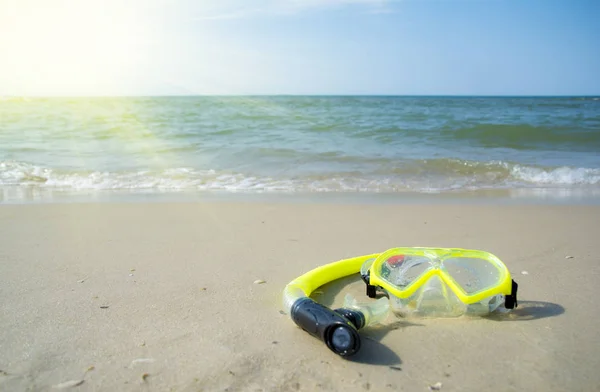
x=504, y=285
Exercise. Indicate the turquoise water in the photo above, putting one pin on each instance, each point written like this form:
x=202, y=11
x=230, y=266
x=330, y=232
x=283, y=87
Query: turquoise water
x=302, y=145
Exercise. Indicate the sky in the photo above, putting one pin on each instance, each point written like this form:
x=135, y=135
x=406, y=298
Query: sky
x=331, y=47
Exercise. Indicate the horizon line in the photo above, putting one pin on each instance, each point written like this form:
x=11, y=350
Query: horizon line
x=307, y=95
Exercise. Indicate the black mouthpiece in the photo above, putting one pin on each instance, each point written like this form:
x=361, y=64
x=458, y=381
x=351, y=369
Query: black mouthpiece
x=338, y=329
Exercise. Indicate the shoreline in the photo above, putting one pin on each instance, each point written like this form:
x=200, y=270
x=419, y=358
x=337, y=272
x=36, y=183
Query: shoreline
x=544, y=196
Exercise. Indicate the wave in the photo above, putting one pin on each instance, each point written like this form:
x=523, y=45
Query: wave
x=558, y=176
x=420, y=176
x=525, y=136
x=585, y=136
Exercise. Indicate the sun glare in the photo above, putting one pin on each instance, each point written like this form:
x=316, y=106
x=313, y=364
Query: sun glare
x=71, y=46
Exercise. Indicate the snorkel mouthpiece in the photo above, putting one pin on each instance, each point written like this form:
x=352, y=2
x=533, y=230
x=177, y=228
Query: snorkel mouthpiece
x=338, y=329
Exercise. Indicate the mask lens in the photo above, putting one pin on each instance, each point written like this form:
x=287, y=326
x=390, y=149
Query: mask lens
x=402, y=270
x=472, y=274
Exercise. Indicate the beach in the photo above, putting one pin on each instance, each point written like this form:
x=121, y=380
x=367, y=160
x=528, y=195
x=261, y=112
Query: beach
x=166, y=296
x=173, y=174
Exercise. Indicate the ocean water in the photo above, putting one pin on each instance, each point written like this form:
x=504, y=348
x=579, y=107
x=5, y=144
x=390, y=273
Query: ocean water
x=298, y=145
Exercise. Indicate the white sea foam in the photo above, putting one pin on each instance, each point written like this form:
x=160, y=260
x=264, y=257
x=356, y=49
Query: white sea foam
x=19, y=174
x=22, y=174
x=558, y=176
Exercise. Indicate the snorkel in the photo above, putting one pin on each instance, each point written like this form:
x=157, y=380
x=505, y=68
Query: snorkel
x=338, y=328
x=462, y=282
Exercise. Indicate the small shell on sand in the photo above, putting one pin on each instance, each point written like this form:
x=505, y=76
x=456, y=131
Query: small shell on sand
x=568, y=257
x=435, y=387
x=524, y=273
x=259, y=281
x=68, y=384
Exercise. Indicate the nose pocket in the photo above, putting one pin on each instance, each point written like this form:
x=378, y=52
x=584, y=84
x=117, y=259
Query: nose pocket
x=434, y=296
x=436, y=299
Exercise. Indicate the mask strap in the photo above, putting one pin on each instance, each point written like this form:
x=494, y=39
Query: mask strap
x=511, y=300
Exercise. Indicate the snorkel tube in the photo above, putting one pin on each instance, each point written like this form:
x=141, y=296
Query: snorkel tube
x=337, y=328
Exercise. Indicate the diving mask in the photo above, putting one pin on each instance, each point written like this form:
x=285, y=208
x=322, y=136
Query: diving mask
x=439, y=282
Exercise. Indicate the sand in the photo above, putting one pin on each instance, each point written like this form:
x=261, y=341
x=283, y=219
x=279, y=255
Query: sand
x=161, y=297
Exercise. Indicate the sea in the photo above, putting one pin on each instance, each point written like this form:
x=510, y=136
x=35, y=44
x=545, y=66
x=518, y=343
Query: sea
x=193, y=146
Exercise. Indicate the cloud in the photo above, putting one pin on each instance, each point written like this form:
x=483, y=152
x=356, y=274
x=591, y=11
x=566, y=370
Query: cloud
x=235, y=9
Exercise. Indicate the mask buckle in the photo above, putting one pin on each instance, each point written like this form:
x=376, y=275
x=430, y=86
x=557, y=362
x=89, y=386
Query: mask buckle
x=371, y=290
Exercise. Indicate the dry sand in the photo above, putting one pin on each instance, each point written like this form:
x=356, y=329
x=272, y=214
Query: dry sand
x=167, y=290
